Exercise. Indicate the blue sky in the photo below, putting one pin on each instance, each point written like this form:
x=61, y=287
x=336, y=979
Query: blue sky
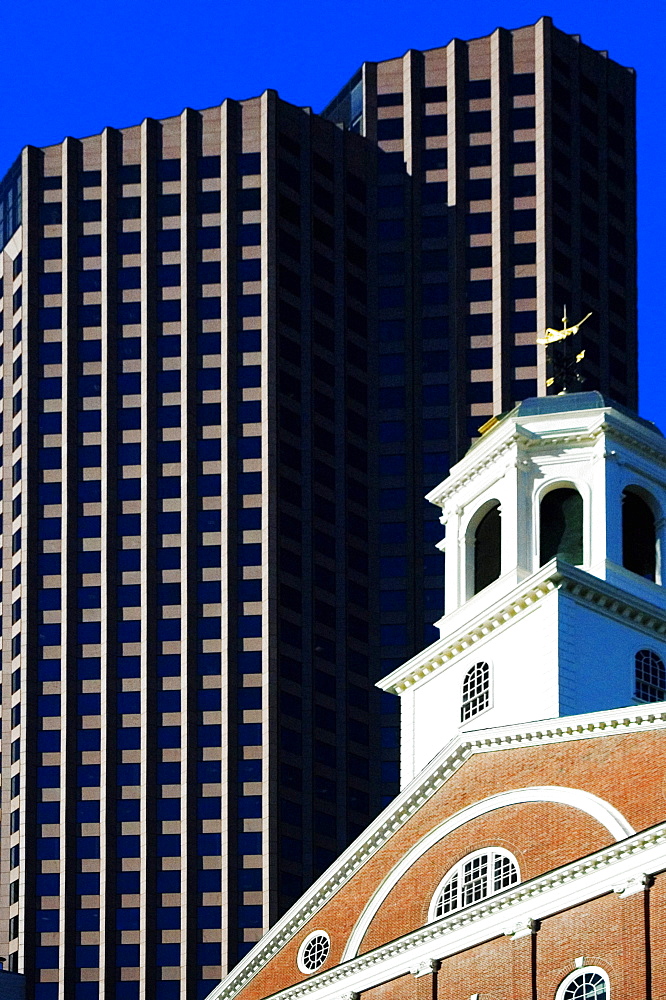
x=71, y=68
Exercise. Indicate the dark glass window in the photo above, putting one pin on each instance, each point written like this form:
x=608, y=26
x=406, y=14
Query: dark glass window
x=478, y=222
x=389, y=100
x=524, y=186
x=392, y=163
x=561, y=529
x=129, y=208
x=479, y=189
x=208, y=166
x=390, y=128
x=478, y=89
x=50, y=213
x=433, y=95
x=168, y=170
x=487, y=549
x=522, y=83
x=131, y=242
x=249, y=163
x=522, y=118
x=434, y=125
x=478, y=121
x=523, y=152
x=90, y=211
x=639, y=537
x=89, y=281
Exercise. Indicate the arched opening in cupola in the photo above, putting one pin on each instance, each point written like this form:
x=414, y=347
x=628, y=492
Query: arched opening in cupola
x=639, y=535
x=487, y=549
x=561, y=526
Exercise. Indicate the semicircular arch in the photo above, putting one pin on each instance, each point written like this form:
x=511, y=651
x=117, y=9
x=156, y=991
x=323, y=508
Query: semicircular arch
x=599, y=809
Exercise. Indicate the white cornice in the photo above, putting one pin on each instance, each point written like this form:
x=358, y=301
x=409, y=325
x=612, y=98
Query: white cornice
x=467, y=470
x=602, y=421
x=514, y=434
x=605, y=597
x=506, y=608
x=629, y=862
x=541, y=732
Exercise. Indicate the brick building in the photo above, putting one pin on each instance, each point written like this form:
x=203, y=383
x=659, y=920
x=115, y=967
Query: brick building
x=527, y=858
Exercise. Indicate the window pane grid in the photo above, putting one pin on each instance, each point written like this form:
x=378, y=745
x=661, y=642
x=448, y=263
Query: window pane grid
x=476, y=691
x=587, y=986
x=650, y=676
x=449, y=898
x=505, y=873
x=473, y=879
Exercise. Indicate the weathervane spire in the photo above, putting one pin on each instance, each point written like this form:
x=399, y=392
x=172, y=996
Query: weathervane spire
x=561, y=366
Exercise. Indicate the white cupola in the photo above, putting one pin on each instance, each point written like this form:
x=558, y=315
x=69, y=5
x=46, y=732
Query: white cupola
x=554, y=526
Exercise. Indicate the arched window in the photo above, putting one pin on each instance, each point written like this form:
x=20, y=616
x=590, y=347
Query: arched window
x=478, y=875
x=487, y=549
x=476, y=691
x=650, y=676
x=561, y=526
x=639, y=536
x=585, y=984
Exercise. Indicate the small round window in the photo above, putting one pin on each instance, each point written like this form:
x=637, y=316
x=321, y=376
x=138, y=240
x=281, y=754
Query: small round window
x=314, y=951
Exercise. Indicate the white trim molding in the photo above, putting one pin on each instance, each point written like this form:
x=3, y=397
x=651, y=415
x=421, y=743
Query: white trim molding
x=522, y=928
x=638, y=883
x=424, y=968
x=572, y=885
x=605, y=814
x=586, y=588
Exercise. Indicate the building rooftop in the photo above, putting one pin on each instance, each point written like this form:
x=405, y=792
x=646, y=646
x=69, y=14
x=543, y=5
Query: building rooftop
x=566, y=403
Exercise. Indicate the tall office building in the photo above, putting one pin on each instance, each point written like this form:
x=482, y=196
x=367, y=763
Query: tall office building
x=239, y=346
x=506, y=191
x=187, y=736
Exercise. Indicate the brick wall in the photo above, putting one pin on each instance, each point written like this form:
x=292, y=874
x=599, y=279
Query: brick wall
x=543, y=836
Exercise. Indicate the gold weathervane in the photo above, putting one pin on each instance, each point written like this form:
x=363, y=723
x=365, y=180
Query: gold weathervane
x=552, y=336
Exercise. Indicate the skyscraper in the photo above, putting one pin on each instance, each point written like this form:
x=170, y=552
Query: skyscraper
x=239, y=346
x=188, y=479
x=506, y=192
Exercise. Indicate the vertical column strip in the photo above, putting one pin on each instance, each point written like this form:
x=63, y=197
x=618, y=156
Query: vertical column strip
x=150, y=139
x=189, y=122
x=71, y=152
x=230, y=126
x=456, y=70
x=544, y=203
x=502, y=268
x=269, y=473
x=25, y=416
x=110, y=156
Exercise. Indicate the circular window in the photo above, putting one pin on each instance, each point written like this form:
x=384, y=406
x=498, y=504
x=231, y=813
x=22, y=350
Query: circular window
x=314, y=951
